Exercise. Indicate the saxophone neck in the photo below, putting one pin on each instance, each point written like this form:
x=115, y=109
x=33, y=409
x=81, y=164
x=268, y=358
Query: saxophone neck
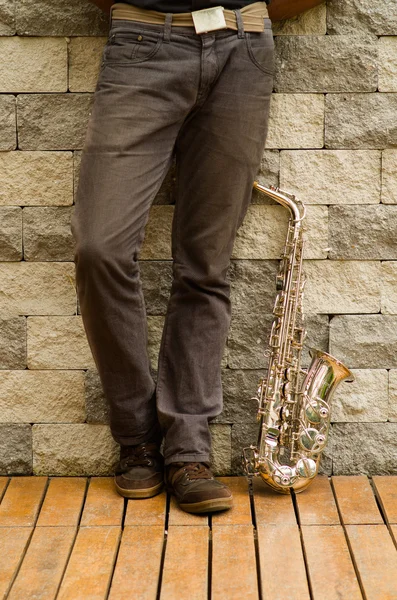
x=284, y=198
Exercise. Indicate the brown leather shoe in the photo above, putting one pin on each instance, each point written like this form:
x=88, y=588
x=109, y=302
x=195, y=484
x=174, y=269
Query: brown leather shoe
x=195, y=488
x=140, y=472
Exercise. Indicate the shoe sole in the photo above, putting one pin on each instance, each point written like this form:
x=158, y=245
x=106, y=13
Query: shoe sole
x=208, y=505
x=142, y=493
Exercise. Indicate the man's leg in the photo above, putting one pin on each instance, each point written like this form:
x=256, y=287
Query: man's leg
x=219, y=150
x=139, y=105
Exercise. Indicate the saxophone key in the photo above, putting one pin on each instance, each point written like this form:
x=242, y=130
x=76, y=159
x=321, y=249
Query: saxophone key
x=306, y=467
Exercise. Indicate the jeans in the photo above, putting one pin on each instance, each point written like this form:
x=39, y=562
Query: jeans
x=162, y=90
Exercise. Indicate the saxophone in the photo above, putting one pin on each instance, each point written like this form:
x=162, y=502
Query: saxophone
x=294, y=403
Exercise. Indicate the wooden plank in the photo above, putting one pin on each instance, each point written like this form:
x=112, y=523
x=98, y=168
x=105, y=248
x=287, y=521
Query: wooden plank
x=271, y=507
x=91, y=564
x=282, y=567
x=22, y=501
x=147, y=511
x=233, y=563
x=394, y=533
x=386, y=487
x=138, y=564
x=331, y=570
x=63, y=502
x=103, y=505
x=376, y=560
x=240, y=513
x=177, y=516
x=185, y=572
x=13, y=541
x=44, y=563
x=316, y=505
x=3, y=485
x=356, y=500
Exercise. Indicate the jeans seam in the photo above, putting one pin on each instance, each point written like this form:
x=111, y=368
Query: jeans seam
x=163, y=346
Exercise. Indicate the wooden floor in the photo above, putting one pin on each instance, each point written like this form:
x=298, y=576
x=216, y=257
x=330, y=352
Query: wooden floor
x=75, y=538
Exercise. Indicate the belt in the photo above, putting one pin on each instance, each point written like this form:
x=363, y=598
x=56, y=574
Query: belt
x=252, y=16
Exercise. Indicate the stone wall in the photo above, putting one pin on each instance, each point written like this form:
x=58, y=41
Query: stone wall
x=332, y=141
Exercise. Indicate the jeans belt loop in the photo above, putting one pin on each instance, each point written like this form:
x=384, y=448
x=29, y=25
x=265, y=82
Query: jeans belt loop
x=240, y=24
x=167, y=27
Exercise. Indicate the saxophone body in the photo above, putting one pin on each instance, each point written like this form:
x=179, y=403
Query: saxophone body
x=294, y=404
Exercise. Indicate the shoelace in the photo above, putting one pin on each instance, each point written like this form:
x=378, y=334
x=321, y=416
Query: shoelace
x=197, y=471
x=137, y=457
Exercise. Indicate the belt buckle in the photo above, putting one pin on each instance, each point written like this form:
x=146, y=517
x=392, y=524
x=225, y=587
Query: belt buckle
x=209, y=19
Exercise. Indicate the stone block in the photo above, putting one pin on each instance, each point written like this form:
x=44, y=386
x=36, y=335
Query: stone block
x=220, y=455
x=310, y=22
x=392, y=412
x=157, y=242
x=316, y=232
x=58, y=342
x=97, y=406
x=36, y=178
x=363, y=232
x=243, y=435
x=10, y=233
x=53, y=121
x=360, y=120
x=156, y=277
x=155, y=332
x=326, y=63
x=7, y=17
x=15, y=449
x=264, y=229
x=296, y=121
x=268, y=174
x=47, y=234
x=364, y=341
x=8, y=131
x=364, y=449
x=167, y=191
x=239, y=388
x=75, y=449
x=56, y=17
x=262, y=233
x=364, y=400
x=37, y=288
x=389, y=177
x=42, y=396
x=325, y=467
x=85, y=54
x=332, y=176
x=252, y=285
x=351, y=16
x=249, y=338
x=389, y=287
x=388, y=63
x=317, y=327
x=34, y=64
x=13, y=342
x=337, y=286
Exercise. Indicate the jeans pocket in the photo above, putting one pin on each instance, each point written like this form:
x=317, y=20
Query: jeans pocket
x=131, y=47
x=260, y=47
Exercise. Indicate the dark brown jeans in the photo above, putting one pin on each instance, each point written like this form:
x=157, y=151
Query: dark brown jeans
x=164, y=89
